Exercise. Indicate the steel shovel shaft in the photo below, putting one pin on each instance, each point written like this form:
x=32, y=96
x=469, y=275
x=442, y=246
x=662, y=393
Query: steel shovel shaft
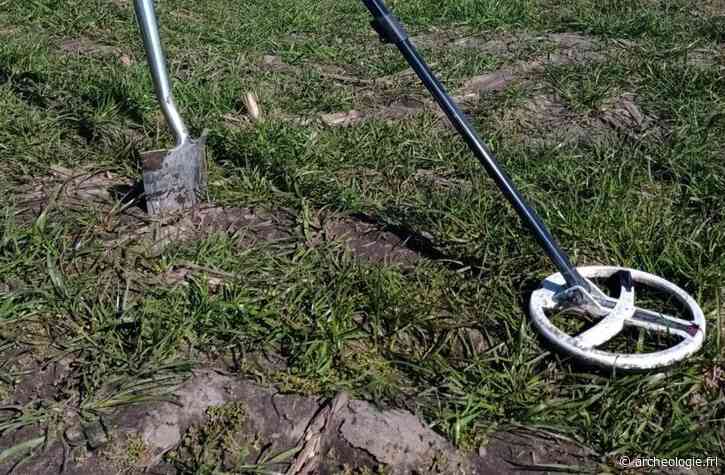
x=148, y=24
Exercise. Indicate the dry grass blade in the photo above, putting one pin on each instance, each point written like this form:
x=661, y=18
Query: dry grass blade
x=251, y=102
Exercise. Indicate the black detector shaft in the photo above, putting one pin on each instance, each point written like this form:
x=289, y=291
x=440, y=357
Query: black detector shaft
x=390, y=31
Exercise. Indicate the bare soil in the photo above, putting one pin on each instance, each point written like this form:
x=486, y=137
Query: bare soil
x=331, y=436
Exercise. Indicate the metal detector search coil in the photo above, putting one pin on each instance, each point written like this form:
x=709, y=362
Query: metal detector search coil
x=618, y=314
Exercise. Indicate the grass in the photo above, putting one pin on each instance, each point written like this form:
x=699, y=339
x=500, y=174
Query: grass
x=382, y=333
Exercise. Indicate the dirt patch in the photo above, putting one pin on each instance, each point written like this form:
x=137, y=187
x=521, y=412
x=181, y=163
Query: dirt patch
x=531, y=450
x=715, y=378
x=80, y=188
x=34, y=380
x=246, y=226
x=342, y=119
x=546, y=120
x=399, y=109
x=528, y=54
x=84, y=46
x=32, y=385
x=437, y=38
x=276, y=64
x=125, y=224
x=468, y=343
x=253, y=226
x=623, y=114
x=712, y=7
x=368, y=241
x=438, y=179
x=121, y=4
x=554, y=48
x=516, y=46
x=706, y=57
x=317, y=436
x=87, y=47
x=491, y=82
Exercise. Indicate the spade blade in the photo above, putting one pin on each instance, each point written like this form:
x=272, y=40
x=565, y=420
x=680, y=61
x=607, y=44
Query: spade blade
x=175, y=179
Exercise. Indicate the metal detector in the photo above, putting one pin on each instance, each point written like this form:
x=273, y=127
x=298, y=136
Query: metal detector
x=571, y=289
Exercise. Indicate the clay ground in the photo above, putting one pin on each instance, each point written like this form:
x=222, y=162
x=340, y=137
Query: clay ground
x=352, y=298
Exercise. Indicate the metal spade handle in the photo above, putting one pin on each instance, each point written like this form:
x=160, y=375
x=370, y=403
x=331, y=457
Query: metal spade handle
x=157, y=63
x=391, y=31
